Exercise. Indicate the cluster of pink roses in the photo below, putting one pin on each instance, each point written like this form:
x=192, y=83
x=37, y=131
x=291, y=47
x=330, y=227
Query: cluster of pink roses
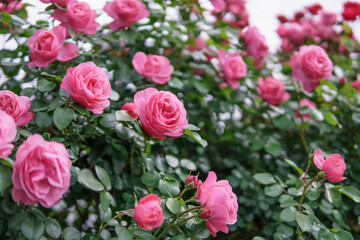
x=10, y=5
x=240, y=16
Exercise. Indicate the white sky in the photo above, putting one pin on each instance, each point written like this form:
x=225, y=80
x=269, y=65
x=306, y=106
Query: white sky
x=262, y=13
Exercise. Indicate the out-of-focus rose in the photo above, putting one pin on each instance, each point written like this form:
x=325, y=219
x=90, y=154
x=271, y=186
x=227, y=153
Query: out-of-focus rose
x=89, y=86
x=41, y=172
x=314, y=9
x=356, y=84
x=48, y=46
x=342, y=80
x=233, y=67
x=294, y=31
x=305, y=103
x=351, y=11
x=131, y=109
x=256, y=44
x=10, y=6
x=193, y=181
x=219, y=5
x=61, y=3
x=17, y=107
x=7, y=134
x=148, y=213
x=310, y=65
x=199, y=44
x=334, y=166
x=161, y=113
x=220, y=202
x=157, y=68
x=125, y=12
x=328, y=18
x=272, y=90
x=78, y=16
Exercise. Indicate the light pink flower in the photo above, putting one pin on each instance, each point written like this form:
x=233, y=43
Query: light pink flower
x=272, y=90
x=17, y=107
x=157, y=68
x=193, y=181
x=220, y=202
x=334, y=166
x=48, y=46
x=131, y=109
x=11, y=6
x=198, y=45
x=61, y=3
x=256, y=44
x=7, y=134
x=148, y=213
x=89, y=86
x=233, y=67
x=78, y=16
x=309, y=65
x=306, y=103
x=328, y=18
x=125, y=12
x=161, y=113
x=41, y=172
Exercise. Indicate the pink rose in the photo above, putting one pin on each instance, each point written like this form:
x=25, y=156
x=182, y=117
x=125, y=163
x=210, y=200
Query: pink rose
x=310, y=65
x=233, y=67
x=131, y=109
x=89, y=86
x=220, y=202
x=161, y=113
x=272, y=90
x=157, y=68
x=306, y=103
x=78, y=16
x=356, y=84
x=193, y=181
x=294, y=31
x=334, y=166
x=328, y=18
x=7, y=134
x=219, y=5
x=48, y=46
x=17, y=107
x=148, y=213
x=198, y=45
x=41, y=172
x=256, y=43
x=125, y=12
x=61, y=3
x=10, y=6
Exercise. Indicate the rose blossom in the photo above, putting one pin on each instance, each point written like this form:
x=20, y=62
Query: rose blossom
x=272, y=90
x=198, y=45
x=233, y=67
x=356, y=84
x=220, y=202
x=131, y=109
x=351, y=11
x=61, y=3
x=255, y=43
x=310, y=65
x=193, y=181
x=161, y=113
x=48, y=46
x=148, y=213
x=334, y=166
x=41, y=172
x=89, y=86
x=305, y=103
x=125, y=12
x=16, y=106
x=7, y=134
x=157, y=68
x=10, y=6
x=78, y=16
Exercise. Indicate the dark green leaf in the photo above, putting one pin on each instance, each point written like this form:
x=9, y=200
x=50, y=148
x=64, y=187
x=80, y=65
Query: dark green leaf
x=150, y=179
x=173, y=205
x=71, y=233
x=63, y=117
x=351, y=192
x=305, y=222
x=52, y=228
x=5, y=178
x=87, y=179
x=103, y=176
x=32, y=228
x=264, y=178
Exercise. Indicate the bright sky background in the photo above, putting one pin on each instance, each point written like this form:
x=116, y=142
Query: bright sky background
x=262, y=14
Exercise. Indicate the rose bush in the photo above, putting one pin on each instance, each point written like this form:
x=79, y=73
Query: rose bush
x=112, y=117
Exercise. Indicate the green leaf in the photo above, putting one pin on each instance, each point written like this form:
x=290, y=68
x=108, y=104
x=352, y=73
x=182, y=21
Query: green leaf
x=313, y=194
x=273, y=190
x=87, y=179
x=169, y=187
x=32, y=228
x=188, y=164
x=196, y=137
x=282, y=122
x=123, y=233
x=273, y=147
x=123, y=116
x=288, y=214
x=331, y=119
x=343, y=235
x=38, y=106
x=105, y=216
x=325, y=234
x=332, y=195
x=71, y=233
x=103, y=176
x=256, y=146
x=56, y=103
x=104, y=201
x=172, y=161
x=293, y=165
x=351, y=192
x=43, y=119
x=175, y=83
x=264, y=178
x=305, y=222
x=288, y=203
x=108, y=120
x=192, y=127
x=45, y=85
x=5, y=18
x=124, y=132
x=62, y=117
x=52, y=228
x=5, y=178
x=114, y=96
x=173, y=205
x=80, y=109
x=150, y=179
x=258, y=238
